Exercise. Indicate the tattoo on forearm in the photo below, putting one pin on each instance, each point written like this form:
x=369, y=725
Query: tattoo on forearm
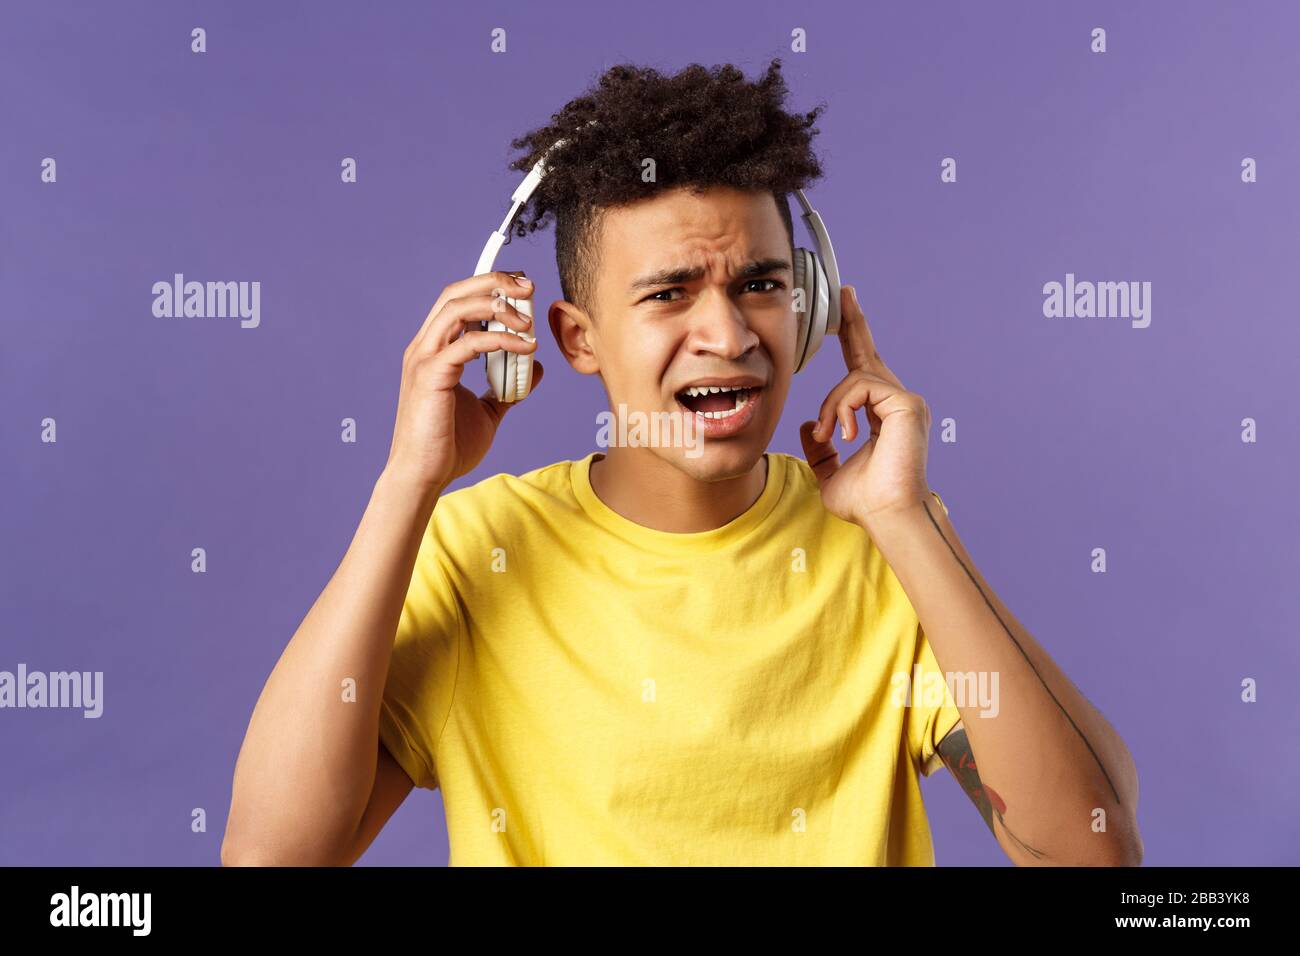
x=960, y=759
x=1021, y=649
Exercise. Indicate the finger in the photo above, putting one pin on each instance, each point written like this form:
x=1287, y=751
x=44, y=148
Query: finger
x=458, y=313
x=821, y=455
x=873, y=422
x=856, y=341
x=846, y=410
x=855, y=337
x=876, y=389
x=519, y=287
x=488, y=283
x=497, y=408
x=879, y=399
x=826, y=414
x=472, y=344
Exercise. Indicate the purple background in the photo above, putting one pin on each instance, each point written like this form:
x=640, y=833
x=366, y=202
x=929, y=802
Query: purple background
x=1073, y=434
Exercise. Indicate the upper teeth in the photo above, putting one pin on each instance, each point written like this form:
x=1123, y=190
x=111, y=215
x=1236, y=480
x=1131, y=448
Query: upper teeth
x=697, y=390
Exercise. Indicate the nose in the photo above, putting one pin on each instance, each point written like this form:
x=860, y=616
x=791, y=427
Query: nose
x=718, y=327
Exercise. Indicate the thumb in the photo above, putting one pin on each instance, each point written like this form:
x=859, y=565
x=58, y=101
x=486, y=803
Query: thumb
x=822, y=456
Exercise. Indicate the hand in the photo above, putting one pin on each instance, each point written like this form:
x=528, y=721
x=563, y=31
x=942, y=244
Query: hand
x=888, y=472
x=443, y=429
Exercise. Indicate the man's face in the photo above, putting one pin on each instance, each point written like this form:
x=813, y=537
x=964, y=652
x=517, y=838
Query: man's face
x=694, y=290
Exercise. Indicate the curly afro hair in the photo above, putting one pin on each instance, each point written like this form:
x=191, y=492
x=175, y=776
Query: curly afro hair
x=702, y=127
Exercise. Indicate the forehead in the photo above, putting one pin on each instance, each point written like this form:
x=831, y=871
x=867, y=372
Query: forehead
x=679, y=224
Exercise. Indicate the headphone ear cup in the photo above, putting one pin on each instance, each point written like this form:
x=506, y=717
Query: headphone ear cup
x=802, y=293
x=818, y=298
x=810, y=277
x=523, y=375
x=510, y=373
x=494, y=363
x=509, y=377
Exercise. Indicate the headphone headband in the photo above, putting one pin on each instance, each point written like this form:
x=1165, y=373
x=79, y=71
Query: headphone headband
x=816, y=279
x=811, y=218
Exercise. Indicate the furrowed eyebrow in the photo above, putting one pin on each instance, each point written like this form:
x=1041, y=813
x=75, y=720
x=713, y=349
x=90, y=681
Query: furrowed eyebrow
x=760, y=267
x=755, y=267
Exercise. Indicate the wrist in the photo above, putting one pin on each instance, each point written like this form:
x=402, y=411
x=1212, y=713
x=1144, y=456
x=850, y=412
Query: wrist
x=401, y=485
x=903, y=514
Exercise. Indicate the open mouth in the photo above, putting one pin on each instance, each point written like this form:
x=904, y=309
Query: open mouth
x=716, y=401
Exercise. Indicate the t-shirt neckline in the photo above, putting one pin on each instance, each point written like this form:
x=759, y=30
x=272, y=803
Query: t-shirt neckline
x=672, y=542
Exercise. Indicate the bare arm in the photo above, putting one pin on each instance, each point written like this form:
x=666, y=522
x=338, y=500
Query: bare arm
x=307, y=767
x=959, y=758
x=391, y=787
x=1054, y=760
x=312, y=785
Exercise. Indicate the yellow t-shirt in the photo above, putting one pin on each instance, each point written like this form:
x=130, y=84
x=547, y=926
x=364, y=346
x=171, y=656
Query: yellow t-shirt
x=589, y=691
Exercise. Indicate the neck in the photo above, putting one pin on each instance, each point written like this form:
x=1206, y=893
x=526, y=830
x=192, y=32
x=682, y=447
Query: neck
x=648, y=491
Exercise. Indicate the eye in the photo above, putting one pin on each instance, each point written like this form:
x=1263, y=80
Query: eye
x=776, y=285
x=653, y=297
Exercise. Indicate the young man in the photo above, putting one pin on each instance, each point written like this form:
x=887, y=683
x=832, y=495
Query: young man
x=647, y=656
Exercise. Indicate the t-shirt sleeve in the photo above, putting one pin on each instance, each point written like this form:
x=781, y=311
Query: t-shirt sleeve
x=422, y=674
x=933, y=712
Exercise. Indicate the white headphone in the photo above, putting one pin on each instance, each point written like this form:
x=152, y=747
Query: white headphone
x=816, y=287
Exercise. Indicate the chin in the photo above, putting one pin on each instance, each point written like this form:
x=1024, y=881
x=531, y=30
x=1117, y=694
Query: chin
x=717, y=460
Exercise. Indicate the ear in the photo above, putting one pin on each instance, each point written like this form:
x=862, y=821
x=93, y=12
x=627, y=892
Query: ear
x=572, y=329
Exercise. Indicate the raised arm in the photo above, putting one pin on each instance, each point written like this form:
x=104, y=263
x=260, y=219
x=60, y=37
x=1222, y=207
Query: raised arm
x=312, y=785
x=307, y=767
